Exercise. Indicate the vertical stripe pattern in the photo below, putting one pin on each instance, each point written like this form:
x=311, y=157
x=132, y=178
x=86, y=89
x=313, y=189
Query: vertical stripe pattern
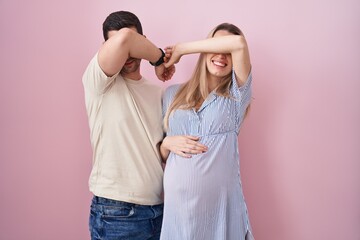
x=203, y=194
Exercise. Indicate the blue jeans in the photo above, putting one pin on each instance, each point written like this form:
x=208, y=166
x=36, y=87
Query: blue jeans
x=116, y=220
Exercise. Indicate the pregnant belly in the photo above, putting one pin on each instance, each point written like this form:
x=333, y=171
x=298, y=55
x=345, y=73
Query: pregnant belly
x=203, y=174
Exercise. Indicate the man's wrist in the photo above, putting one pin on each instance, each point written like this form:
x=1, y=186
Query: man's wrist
x=160, y=61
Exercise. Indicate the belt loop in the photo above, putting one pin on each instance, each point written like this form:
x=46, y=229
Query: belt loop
x=154, y=212
x=96, y=199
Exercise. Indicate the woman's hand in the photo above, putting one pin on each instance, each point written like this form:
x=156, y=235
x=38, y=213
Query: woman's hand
x=172, y=55
x=182, y=145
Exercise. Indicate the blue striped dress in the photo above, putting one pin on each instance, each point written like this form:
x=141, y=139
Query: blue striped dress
x=203, y=194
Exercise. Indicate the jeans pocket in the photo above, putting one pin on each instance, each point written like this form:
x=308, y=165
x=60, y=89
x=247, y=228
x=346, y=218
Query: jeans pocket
x=118, y=212
x=95, y=226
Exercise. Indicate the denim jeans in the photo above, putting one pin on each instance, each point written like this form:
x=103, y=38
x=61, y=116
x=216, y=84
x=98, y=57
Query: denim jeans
x=116, y=220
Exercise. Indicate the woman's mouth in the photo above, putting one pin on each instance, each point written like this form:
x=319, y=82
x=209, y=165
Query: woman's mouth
x=218, y=63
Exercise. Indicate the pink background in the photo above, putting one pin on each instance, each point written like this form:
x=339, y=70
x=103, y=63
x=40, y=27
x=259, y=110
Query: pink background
x=300, y=146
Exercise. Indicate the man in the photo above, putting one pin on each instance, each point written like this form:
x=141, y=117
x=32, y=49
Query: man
x=125, y=120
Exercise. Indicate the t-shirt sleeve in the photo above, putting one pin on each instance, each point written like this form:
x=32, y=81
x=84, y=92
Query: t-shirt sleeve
x=94, y=79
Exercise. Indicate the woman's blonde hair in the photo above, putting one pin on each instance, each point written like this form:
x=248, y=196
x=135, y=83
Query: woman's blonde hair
x=192, y=93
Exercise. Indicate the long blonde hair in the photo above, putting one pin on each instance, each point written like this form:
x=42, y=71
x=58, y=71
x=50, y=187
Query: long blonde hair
x=192, y=93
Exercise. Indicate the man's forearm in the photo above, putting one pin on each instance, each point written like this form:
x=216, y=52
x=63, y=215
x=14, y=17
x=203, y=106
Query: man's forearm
x=123, y=44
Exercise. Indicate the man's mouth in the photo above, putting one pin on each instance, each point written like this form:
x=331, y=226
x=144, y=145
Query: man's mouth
x=130, y=61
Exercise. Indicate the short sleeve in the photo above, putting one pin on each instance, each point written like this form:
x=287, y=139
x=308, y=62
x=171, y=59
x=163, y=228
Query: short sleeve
x=242, y=96
x=94, y=79
x=242, y=93
x=168, y=97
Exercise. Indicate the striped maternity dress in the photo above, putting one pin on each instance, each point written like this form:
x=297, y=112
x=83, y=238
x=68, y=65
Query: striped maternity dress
x=203, y=194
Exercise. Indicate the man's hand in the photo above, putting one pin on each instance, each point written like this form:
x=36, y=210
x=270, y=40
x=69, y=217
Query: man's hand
x=164, y=73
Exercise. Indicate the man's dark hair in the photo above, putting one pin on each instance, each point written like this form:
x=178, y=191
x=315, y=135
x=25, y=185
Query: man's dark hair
x=119, y=20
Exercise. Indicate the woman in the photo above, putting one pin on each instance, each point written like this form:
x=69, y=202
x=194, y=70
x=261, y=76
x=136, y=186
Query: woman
x=203, y=193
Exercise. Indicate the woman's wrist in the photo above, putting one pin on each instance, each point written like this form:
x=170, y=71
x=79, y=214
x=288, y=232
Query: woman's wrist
x=164, y=152
x=181, y=48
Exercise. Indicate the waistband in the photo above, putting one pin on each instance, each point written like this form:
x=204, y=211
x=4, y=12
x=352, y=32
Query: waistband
x=145, y=210
x=108, y=201
x=216, y=134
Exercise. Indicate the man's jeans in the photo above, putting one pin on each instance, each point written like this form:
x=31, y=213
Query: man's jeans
x=110, y=220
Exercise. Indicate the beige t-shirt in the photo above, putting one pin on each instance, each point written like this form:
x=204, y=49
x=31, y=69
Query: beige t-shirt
x=125, y=122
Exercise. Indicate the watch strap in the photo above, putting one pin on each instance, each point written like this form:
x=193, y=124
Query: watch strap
x=160, y=61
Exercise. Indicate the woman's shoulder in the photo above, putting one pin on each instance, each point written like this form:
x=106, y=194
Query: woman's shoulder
x=171, y=90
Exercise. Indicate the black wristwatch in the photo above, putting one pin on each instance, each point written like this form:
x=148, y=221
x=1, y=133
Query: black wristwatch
x=160, y=61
